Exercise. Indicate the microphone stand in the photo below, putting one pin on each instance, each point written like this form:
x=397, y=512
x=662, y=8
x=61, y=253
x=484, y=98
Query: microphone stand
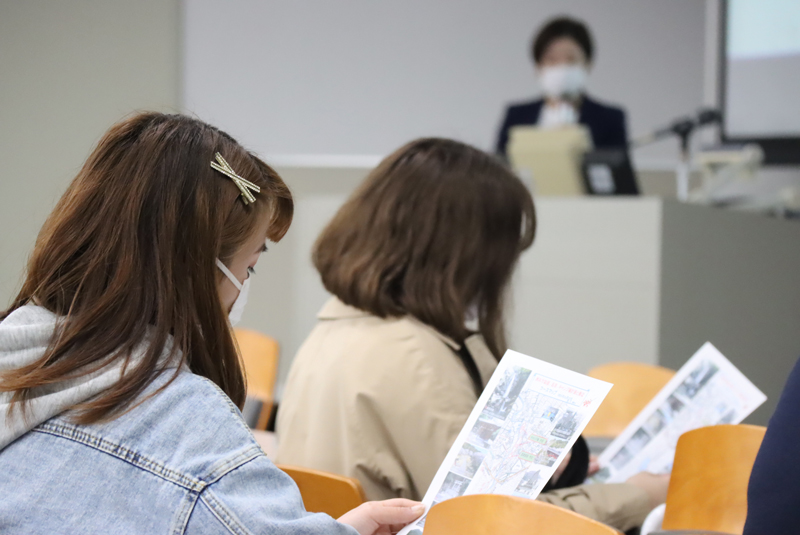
x=683, y=169
x=682, y=128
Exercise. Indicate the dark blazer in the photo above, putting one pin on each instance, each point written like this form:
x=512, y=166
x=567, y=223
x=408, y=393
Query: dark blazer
x=606, y=123
x=773, y=496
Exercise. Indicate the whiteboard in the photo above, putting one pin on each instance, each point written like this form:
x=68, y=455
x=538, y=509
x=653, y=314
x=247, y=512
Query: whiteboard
x=362, y=77
x=762, y=68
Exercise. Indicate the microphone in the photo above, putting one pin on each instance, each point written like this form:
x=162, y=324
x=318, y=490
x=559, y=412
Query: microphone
x=708, y=116
x=678, y=127
x=681, y=127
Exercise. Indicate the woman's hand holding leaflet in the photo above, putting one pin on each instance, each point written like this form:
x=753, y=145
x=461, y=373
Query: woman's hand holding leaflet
x=383, y=518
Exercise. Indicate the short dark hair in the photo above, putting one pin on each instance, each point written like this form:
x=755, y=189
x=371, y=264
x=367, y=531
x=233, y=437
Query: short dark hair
x=437, y=227
x=558, y=28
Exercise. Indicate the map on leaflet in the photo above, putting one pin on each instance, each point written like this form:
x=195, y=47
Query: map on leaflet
x=525, y=422
x=707, y=390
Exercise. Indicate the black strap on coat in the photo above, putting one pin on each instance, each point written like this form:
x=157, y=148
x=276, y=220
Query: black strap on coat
x=472, y=368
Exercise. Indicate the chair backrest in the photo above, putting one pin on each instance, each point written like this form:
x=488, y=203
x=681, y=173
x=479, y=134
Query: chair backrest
x=324, y=492
x=708, y=486
x=484, y=514
x=260, y=356
x=635, y=385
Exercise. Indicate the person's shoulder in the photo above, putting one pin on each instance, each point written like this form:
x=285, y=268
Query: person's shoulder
x=186, y=422
x=400, y=343
x=414, y=339
x=526, y=105
x=367, y=336
x=600, y=107
x=375, y=349
x=420, y=353
x=523, y=110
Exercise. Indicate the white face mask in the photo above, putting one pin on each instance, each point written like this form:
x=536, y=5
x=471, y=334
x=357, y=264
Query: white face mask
x=241, y=300
x=471, y=321
x=563, y=80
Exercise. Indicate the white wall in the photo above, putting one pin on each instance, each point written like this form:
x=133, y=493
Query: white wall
x=363, y=77
x=69, y=71
x=587, y=291
x=286, y=292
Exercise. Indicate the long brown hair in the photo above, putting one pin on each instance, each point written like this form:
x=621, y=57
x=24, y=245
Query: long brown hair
x=436, y=227
x=128, y=256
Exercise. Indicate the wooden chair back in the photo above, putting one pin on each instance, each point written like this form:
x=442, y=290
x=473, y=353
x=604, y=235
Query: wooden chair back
x=260, y=357
x=488, y=514
x=635, y=385
x=324, y=492
x=708, y=486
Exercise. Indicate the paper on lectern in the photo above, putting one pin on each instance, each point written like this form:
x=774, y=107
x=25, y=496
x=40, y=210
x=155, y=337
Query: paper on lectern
x=527, y=419
x=707, y=390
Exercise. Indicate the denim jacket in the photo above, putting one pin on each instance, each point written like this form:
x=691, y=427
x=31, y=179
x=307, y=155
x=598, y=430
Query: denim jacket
x=181, y=462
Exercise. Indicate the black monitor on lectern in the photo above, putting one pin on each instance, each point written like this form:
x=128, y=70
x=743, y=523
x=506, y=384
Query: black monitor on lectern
x=609, y=172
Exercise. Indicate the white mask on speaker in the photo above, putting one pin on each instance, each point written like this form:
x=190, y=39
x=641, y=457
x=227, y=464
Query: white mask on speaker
x=241, y=300
x=563, y=80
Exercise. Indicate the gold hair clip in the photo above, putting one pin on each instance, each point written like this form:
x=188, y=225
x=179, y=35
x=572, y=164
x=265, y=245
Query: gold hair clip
x=243, y=184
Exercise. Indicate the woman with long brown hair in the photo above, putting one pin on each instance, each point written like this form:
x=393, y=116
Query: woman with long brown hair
x=119, y=377
x=419, y=260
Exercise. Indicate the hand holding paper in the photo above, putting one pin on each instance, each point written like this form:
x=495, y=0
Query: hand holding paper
x=382, y=518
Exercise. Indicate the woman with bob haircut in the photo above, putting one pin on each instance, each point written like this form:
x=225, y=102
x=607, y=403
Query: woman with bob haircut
x=419, y=260
x=119, y=377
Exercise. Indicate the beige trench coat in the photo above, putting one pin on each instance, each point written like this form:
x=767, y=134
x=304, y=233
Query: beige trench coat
x=382, y=400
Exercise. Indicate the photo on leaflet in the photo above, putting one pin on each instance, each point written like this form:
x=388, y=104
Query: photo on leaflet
x=621, y=459
x=528, y=483
x=670, y=408
x=655, y=423
x=697, y=379
x=728, y=417
x=567, y=425
x=506, y=392
x=553, y=451
x=601, y=475
x=550, y=413
x=483, y=433
x=546, y=457
x=637, y=442
x=453, y=486
x=468, y=461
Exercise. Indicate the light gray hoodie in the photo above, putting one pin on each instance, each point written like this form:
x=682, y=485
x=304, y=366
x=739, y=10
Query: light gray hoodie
x=24, y=337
